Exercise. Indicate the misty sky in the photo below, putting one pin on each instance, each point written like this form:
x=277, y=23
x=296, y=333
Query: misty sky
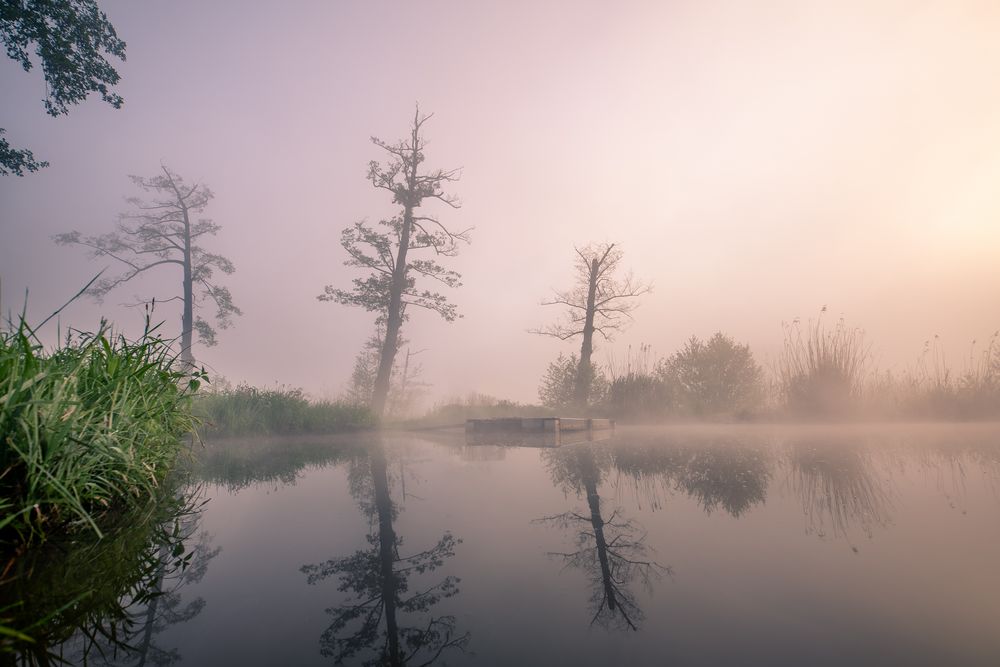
x=755, y=160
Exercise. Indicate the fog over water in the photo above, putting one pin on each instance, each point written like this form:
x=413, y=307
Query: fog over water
x=755, y=161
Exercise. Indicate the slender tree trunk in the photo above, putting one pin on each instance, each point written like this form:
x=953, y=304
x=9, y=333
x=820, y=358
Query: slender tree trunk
x=187, y=319
x=585, y=370
x=387, y=551
x=410, y=198
x=394, y=320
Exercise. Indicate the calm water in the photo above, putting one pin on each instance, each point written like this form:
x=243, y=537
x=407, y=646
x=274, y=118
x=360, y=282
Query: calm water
x=670, y=546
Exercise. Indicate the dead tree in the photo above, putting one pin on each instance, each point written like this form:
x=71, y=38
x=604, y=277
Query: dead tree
x=600, y=302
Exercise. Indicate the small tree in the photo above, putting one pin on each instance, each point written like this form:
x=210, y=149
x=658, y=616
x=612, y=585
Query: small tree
x=71, y=38
x=405, y=385
x=716, y=376
x=167, y=232
x=558, y=386
x=600, y=302
x=384, y=251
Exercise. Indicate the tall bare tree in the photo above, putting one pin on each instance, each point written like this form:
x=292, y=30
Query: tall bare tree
x=390, y=284
x=601, y=301
x=162, y=232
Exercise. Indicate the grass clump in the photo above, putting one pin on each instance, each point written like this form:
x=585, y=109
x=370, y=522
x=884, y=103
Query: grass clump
x=821, y=372
x=86, y=428
x=247, y=410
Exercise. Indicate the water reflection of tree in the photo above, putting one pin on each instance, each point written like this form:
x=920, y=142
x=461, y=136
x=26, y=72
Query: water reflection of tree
x=839, y=485
x=109, y=599
x=386, y=618
x=611, y=551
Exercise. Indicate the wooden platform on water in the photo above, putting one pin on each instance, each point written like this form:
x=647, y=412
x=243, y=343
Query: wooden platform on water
x=536, y=431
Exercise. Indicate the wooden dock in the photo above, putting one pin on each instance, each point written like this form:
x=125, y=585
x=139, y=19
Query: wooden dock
x=536, y=431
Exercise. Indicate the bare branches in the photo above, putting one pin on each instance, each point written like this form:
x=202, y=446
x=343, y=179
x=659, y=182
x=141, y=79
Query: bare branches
x=599, y=296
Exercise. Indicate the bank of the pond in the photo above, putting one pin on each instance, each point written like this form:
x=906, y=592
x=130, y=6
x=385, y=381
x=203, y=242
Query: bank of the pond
x=246, y=410
x=87, y=429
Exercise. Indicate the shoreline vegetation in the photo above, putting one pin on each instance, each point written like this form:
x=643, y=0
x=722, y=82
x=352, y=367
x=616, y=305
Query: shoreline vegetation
x=246, y=410
x=90, y=428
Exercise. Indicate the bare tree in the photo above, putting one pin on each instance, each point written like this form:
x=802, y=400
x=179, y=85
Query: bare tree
x=390, y=285
x=166, y=231
x=600, y=302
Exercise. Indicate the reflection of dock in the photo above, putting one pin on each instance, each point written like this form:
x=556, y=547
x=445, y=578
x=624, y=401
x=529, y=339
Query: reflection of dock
x=537, y=431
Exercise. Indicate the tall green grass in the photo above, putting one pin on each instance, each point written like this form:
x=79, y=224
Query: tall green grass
x=86, y=428
x=247, y=410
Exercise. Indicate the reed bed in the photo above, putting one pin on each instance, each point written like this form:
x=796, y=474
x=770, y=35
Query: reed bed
x=246, y=410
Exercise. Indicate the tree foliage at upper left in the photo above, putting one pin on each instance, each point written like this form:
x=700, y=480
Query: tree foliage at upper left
x=72, y=39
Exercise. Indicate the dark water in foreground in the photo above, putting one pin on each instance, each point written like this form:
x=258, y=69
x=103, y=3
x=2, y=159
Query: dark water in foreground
x=776, y=546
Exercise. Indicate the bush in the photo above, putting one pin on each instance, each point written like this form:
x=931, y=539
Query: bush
x=558, y=386
x=715, y=377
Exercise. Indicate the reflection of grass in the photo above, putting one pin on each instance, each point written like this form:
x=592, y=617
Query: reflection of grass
x=839, y=486
x=237, y=464
x=246, y=410
x=86, y=428
x=94, y=587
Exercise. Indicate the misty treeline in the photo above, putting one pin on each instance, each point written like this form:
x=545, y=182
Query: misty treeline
x=822, y=371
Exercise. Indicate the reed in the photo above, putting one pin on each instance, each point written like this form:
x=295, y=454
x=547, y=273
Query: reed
x=247, y=410
x=822, y=372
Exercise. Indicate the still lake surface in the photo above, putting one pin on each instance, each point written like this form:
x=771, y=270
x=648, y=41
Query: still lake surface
x=709, y=545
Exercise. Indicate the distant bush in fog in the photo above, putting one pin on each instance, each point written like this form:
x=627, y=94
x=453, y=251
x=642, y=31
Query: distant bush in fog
x=558, y=386
x=718, y=376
